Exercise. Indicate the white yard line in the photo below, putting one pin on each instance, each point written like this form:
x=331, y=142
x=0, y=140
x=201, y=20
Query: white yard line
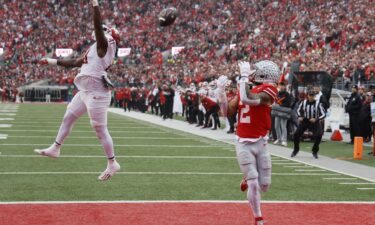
x=7, y=114
x=287, y=163
x=279, y=160
x=124, y=156
x=365, y=188
x=119, y=145
x=309, y=170
x=357, y=183
x=3, y=119
x=6, y=125
x=160, y=173
x=80, y=126
x=302, y=166
x=184, y=202
x=94, y=137
x=3, y=136
x=124, y=173
x=91, y=131
x=339, y=178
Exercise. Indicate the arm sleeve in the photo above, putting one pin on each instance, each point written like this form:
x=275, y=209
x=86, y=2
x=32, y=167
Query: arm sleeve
x=243, y=96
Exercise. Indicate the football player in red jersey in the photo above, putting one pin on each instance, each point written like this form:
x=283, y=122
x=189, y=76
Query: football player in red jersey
x=254, y=123
x=94, y=95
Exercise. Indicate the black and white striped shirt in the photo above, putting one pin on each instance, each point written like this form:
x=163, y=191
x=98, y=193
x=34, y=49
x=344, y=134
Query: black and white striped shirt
x=310, y=110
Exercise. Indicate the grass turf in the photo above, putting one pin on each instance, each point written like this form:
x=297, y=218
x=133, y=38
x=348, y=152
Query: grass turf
x=146, y=146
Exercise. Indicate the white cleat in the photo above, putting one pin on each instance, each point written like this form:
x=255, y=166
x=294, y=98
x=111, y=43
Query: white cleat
x=110, y=171
x=284, y=143
x=52, y=151
x=276, y=142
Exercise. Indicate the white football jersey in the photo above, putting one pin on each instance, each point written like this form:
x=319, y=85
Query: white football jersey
x=95, y=66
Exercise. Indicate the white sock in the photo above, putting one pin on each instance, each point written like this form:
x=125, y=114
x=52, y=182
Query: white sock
x=253, y=196
x=106, y=140
x=66, y=127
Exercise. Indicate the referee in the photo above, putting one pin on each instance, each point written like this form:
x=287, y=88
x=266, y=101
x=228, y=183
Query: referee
x=311, y=114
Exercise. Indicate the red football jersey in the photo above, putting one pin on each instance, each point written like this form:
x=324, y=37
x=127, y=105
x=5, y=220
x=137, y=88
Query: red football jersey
x=255, y=121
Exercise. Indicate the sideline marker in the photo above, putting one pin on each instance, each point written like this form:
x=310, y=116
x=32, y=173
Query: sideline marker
x=358, y=148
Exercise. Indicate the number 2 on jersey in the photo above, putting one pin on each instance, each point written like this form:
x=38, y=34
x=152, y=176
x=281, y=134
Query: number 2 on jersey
x=243, y=117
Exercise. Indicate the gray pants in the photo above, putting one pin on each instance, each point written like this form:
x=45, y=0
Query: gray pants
x=280, y=127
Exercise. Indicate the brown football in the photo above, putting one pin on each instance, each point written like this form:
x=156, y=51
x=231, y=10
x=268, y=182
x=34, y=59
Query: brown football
x=167, y=16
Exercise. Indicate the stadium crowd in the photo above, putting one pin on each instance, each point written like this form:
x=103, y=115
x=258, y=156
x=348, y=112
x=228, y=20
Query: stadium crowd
x=299, y=35
x=334, y=36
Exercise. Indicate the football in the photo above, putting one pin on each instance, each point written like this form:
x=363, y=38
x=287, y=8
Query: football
x=167, y=16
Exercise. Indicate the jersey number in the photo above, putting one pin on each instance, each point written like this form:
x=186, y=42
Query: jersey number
x=245, y=118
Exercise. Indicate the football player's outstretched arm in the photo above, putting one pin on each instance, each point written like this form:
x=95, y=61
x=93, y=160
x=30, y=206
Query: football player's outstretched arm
x=77, y=62
x=101, y=40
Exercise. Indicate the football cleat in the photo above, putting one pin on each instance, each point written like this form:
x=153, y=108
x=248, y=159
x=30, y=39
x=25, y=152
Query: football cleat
x=109, y=171
x=259, y=221
x=243, y=185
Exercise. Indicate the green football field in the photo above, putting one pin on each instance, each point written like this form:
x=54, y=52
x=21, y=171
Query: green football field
x=157, y=164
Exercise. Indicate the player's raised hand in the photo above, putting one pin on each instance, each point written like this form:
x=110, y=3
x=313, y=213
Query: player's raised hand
x=222, y=81
x=245, y=69
x=47, y=61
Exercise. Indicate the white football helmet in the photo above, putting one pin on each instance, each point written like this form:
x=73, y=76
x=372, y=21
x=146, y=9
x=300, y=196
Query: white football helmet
x=266, y=71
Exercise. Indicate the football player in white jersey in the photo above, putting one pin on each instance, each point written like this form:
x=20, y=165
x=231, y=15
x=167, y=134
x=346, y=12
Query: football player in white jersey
x=94, y=95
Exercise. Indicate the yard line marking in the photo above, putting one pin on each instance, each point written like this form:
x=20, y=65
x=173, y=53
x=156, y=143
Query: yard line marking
x=287, y=163
x=80, y=126
x=19, y=122
x=157, y=173
x=5, y=125
x=305, y=174
x=8, y=110
x=323, y=167
x=309, y=170
x=2, y=119
x=279, y=160
x=3, y=136
x=299, y=166
x=339, y=178
x=7, y=114
x=357, y=183
x=120, y=145
x=365, y=188
x=92, y=137
x=182, y=201
x=124, y=156
x=91, y=131
x=125, y=173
